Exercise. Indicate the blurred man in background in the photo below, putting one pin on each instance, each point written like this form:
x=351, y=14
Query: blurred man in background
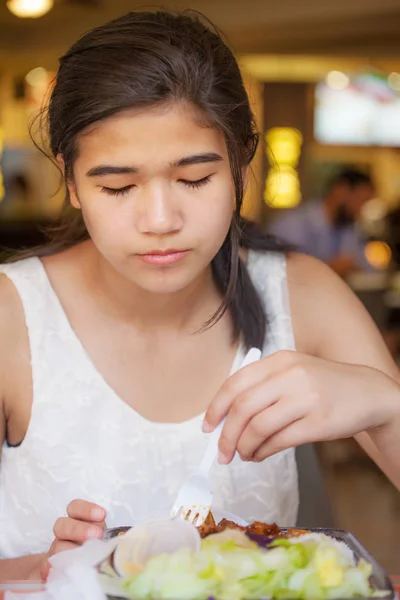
x=327, y=228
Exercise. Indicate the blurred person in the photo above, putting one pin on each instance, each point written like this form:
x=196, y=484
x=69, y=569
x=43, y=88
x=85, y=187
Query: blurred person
x=16, y=202
x=392, y=331
x=327, y=228
x=121, y=339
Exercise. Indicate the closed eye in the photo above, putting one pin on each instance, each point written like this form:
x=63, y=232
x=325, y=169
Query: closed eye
x=196, y=184
x=124, y=190
x=117, y=191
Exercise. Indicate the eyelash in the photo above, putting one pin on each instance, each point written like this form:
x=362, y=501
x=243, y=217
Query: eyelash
x=116, y=191
x=197, y=184
x=124, y=190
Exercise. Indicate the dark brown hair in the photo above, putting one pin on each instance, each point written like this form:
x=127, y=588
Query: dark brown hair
x=147, y=58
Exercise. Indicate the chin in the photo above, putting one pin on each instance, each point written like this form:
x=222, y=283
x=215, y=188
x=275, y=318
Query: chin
x=164, y=282
x=171, y=279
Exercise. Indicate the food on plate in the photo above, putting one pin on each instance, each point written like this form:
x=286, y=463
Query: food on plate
x=230, y=566
x=210, y=526
x=232, y=562
x=160, y=536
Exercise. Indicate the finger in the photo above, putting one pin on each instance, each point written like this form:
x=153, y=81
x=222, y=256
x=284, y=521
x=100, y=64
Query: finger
x=86, y=511
x=44, y=570
x=296, y=434
x=267, y=424
x=247, y=377
x=243, y=409
x=72, y=530
x=236, y=385
x=59, y=546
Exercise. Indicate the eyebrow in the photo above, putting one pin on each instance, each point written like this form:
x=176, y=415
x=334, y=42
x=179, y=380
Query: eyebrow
x=102, y=170
x=196, y=159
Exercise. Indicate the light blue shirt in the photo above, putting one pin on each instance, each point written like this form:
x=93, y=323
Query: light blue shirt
x=309, y=230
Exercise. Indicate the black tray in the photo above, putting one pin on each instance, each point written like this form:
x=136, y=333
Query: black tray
x=379, y=578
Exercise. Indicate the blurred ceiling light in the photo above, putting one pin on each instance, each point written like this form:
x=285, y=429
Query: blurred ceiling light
x=37, y=77
x=284, y=145
x=378, y=254
x=29, y=8
x=282, y=188
x=283, y=148
x=394, y=81
x=337, y=80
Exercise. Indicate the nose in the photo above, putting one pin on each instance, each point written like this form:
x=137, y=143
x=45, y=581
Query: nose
x=159, y=213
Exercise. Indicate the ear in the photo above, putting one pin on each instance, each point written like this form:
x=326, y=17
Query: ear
x=73, y=198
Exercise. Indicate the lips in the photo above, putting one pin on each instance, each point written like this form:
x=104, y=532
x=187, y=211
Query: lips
x=163, y=257
x=162, y=252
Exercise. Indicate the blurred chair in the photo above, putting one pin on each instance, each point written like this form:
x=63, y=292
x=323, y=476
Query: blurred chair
x=315, y=509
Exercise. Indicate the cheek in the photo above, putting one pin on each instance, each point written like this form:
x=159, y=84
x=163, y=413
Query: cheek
x=106, y=226
x=212, y=223
x=214, y=211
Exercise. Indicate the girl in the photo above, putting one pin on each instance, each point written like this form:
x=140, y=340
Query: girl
x=118, y=339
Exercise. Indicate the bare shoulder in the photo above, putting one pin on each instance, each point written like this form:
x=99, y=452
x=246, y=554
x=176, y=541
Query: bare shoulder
x=313, y=286
x=328, y=319
x=8, y=319
x=15, y=370
x=308, y=282
x=11, y=314
x=308, y=271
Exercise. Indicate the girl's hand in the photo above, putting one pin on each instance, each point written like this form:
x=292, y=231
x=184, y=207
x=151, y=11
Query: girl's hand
x=288, y=399
x=85, y=521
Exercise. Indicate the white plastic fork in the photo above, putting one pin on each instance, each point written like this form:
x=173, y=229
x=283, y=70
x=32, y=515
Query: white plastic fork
x=195, y=496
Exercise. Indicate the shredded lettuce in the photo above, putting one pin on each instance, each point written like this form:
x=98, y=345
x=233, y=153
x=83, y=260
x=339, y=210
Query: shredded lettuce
x=232, y=568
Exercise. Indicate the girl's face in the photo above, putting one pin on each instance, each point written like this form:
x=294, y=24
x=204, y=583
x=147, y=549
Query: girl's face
x=156, y=193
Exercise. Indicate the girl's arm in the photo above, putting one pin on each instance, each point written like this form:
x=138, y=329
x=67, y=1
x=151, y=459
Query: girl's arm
x=331, y=323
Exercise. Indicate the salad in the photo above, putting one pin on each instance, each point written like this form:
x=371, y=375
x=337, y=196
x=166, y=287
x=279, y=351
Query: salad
x=233, y=567
x=234, y=564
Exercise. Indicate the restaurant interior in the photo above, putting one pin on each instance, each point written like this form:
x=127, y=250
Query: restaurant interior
x=324, y=82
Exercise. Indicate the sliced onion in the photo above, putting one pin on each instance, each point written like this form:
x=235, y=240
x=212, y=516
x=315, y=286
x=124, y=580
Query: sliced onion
x=160, y=536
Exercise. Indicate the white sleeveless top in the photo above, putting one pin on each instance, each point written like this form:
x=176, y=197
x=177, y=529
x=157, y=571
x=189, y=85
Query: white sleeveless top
x=83, y=441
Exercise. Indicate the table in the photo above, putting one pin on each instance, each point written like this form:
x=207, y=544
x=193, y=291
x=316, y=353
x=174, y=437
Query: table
x=396, y=583
x=26, y=584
